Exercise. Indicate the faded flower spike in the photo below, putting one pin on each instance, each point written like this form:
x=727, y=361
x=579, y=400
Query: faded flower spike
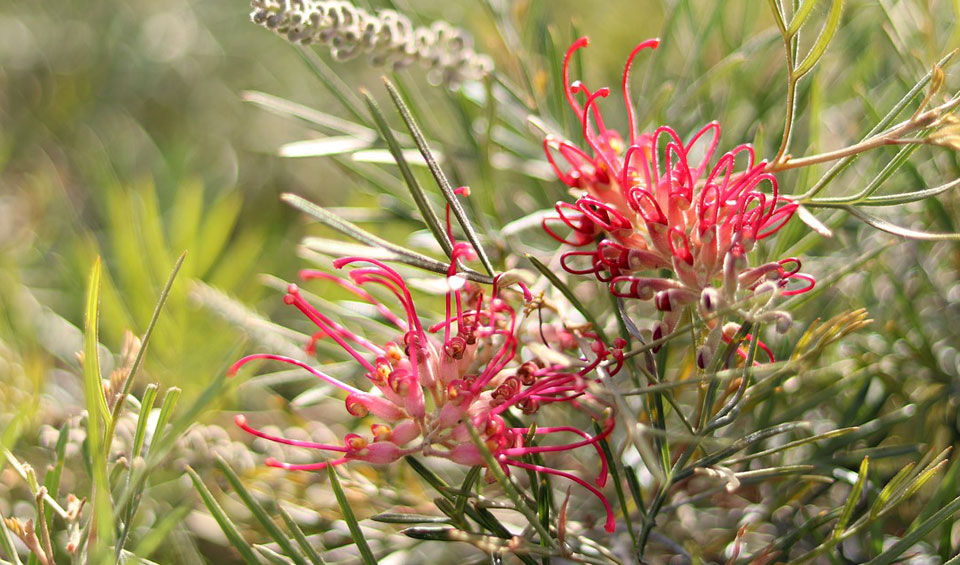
x=387, y=37
x=421, y=389
x=653, y=202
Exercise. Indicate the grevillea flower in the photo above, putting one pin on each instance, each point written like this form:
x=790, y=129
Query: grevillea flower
x=422, y=389
x=653, y=202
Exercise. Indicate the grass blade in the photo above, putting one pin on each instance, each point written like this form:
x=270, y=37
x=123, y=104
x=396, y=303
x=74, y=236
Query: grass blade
x=226, y=524
x=144, y=341
x=98, y=417
x=260, y=513
x=350, y=519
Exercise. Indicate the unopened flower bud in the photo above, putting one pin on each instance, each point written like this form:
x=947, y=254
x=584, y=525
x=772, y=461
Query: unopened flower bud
x=710, y=300
x=782, y=320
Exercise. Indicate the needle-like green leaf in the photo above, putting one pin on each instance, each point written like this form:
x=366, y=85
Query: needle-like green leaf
x=800, y=17
x=401, y=254
x=823, y=40
x=260, y=513
x=98, y=418
x=426, y=211
x=852, y=499
x=350, y=518
x=917, y=534
x=440, y=177
x=301, y=538
x=226, y=524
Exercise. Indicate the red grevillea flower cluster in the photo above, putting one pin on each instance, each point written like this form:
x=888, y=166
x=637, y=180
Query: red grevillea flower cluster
x=653, y=202
x=422, y=389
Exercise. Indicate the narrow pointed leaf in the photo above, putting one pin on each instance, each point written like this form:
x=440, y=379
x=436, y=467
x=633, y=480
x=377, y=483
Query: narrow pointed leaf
x=906, y=197
x=98, y=418
x=272, y=556
x=888, y=491
x=813, y=222
x=146, y=406
x=385, y=157
x=800, y=17
x=790, y=445
x=916, y=534
x=615, y=475
x=441, y=179
x=260, y=513
x=479, y=514
x=158, y=531
x=332, y=81
x=352, y=230
x=778, y=16
x=852, y=499
x=52, y=479
x=301, y=538
x=286, y=108
x=404, y=518
x=823, y=40
x=842, y=164
x=884, y=225
x=324, y=146
x=426, y=211
x=511, y=490
x=144, y=342
x=226, y=524
x=166, y=410
x=433, y=533
x=349, y=518
x=465, y=489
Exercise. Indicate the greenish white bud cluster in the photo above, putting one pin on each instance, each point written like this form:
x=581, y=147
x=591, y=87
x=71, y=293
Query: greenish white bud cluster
x=387, y=37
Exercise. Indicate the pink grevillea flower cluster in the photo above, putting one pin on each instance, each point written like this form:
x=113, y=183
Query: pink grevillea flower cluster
x=422, y=389
x=654, y=203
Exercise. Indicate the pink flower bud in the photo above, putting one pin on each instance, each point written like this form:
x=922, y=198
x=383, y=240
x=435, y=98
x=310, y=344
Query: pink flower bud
x=360, y=404
x=377, y=453
x=466, y=454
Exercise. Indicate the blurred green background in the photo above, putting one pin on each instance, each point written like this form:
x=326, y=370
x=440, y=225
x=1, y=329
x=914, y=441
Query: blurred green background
x=123, y=134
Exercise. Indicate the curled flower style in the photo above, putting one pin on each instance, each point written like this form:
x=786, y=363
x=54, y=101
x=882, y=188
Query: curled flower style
x=652, y=202
x=387, y=37
x=423, y=389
